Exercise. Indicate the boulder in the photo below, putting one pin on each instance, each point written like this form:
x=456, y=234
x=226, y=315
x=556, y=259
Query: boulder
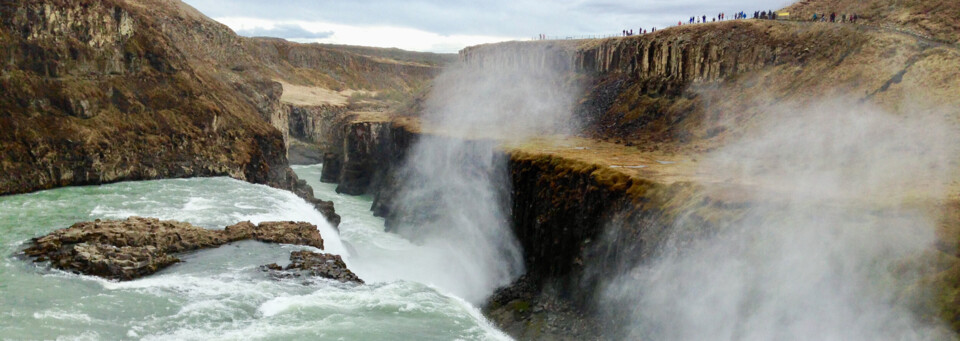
x=306, y=263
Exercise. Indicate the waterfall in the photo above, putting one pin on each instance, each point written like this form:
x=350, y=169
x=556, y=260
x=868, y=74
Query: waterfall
x=454, y=190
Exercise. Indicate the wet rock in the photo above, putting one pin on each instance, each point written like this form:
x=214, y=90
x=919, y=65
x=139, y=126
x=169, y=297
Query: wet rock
x=281, y=232
x=313, y=264
x=304, y=154
x=109, y=261
x=332, y=163
x=271, y=267
x=136, y=247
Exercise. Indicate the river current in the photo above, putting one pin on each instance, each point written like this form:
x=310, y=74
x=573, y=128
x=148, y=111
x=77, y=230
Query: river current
x=220, y=294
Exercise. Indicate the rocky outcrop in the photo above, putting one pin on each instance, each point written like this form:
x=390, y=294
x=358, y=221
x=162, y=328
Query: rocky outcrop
x=368, y=155
x=332, y=164
x=136, y=247
x=362, y=149
x=312, y=264
x=314, y=130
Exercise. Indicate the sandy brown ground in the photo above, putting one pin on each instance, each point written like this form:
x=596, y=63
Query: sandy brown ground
x=663, y=167
x=313, y=96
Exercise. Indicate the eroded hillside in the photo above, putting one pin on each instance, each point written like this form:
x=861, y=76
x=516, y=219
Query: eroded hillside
x=99, y=91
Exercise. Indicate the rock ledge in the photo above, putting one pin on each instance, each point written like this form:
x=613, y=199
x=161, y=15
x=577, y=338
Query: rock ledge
x=136, y=247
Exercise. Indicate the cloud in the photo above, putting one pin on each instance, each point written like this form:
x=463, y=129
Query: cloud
x=445, y=20
x=378, y=36
x=288, y=31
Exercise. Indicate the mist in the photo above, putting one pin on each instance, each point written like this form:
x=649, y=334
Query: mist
x=835, y=197
x=454, y=196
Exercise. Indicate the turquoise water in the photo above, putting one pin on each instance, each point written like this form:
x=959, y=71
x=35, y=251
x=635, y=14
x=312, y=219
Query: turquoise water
x=220, y=294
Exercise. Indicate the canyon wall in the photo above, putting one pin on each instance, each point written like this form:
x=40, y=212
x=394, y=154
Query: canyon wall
x=336, y=69
x=314, y=130
x=106, y=91
x=683, y=90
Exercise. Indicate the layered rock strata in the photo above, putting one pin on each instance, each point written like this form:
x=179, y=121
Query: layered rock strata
x=313, y=131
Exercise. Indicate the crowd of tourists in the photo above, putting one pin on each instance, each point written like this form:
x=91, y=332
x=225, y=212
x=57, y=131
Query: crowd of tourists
x=760, y=15
x=766, y=15
x=770, y=15
x=833, y=17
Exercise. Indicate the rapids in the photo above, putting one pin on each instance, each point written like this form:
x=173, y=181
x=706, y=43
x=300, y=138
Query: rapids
x=220, y=294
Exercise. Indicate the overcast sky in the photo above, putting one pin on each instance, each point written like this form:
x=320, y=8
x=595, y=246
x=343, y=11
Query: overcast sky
x=450, y=25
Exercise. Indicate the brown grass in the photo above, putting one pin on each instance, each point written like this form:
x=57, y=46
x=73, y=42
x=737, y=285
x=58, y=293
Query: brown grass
x=937, y=19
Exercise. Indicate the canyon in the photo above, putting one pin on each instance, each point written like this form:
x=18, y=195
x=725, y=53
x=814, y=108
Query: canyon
x=110, y=91
x=654, y=106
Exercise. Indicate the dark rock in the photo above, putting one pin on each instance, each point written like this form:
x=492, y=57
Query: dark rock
x=136, y=247
x=306, y=263
x=304, y=154
x=123, y=263
x=271, y=266
x=288, y=232
x=332, y=163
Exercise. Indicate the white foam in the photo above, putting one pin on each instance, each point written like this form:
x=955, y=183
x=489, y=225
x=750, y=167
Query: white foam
x=58, y=314
x=198, y=204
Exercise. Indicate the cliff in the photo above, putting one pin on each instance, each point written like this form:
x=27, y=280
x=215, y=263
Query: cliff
x=97, y=93
x=670, y=90
x=656, y=104
x=100, y=91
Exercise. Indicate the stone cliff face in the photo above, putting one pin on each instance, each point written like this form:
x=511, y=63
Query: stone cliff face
x=368, y=157
x=106, y=91
x=662, y=90
x=314, y=130
x=646, y=85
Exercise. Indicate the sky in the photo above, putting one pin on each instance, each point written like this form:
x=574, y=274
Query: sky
x=447, y=26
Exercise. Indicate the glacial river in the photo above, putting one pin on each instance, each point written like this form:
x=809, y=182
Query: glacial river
x=220, y=294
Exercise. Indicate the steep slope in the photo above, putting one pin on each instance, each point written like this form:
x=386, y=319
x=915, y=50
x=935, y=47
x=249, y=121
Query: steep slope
x=99, y=91
x=670, y=90
x=95, y=92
